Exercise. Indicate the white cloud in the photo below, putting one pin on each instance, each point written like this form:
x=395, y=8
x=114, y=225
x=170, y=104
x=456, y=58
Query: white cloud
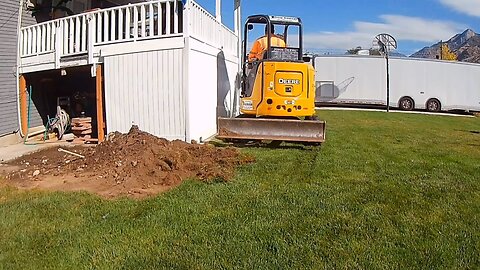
x=470, y=7
x=403, y=28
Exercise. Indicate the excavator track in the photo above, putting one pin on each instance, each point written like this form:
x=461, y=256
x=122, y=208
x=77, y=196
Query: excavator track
x=290, y=130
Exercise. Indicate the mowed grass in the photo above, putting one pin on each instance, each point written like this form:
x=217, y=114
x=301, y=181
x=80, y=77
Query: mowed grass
x=386, y=191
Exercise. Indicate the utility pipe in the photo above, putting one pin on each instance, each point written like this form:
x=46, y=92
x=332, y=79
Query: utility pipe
x=17, y=68
x=238, y=31
x=218, y=10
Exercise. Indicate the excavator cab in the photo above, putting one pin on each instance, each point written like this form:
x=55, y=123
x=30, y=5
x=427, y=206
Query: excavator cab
x=277, y=84
x=277, y=95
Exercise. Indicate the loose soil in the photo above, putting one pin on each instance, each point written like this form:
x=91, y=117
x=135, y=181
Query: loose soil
x=135, y=165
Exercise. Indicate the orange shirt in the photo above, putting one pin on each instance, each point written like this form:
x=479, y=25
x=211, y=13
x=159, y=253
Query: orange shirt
x=260, y=46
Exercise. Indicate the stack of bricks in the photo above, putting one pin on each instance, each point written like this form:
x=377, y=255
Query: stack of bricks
x=82, y=129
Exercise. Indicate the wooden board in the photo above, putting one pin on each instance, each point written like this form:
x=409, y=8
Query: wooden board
x=81, y=128
x=81, y=120
x=82, y=132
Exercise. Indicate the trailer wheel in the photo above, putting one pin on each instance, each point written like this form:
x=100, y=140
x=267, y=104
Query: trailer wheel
x=406, y=104
x=433, y=105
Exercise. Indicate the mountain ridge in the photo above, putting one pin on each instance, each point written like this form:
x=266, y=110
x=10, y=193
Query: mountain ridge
x=465, y=45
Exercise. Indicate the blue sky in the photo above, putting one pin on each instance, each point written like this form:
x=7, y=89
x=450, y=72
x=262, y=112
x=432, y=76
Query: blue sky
x=336, y=25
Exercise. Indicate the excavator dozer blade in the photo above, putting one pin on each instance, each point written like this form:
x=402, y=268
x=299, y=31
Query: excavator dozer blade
x=309, y=131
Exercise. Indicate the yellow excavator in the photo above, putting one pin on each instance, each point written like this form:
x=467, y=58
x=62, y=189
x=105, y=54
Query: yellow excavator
x=277, y=97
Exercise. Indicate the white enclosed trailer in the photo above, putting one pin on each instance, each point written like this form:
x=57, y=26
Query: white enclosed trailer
x=414, y=83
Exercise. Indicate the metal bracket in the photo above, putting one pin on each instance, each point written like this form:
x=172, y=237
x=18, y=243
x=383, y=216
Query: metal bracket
x=93, y=70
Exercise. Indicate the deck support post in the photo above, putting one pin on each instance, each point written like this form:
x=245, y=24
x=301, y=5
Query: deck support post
x=91, y=19
x=99, y=98
x=22, y=94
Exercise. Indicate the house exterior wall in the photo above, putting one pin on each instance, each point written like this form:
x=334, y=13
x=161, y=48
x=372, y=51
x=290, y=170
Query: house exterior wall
x=8, y=60
x=146, y=89
x=172, y=93
x=211, y=85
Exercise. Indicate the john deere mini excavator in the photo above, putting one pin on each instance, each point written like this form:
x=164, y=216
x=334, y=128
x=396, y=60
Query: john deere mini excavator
x=277, y=99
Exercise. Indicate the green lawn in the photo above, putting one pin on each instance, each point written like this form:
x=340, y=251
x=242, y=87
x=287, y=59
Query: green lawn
x=388, y=191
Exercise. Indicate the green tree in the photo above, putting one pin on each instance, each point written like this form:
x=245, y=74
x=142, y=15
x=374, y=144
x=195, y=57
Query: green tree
x=354, y=50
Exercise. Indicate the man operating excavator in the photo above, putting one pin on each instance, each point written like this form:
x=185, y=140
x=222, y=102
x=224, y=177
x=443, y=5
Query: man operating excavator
x=257, y=53
x=277, y=87
x=261, y=44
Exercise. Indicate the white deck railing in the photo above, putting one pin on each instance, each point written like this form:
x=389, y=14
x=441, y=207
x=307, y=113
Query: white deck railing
x=79, y=34
x=138, y=21
x=75, y=34
x=72, y=35
x=38, y=39
x=208, y=29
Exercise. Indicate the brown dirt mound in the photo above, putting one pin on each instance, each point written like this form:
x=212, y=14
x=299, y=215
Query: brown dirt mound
x=136, y=164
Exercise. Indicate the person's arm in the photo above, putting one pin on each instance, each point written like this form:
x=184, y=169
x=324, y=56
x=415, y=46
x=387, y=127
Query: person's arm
x=254, y=53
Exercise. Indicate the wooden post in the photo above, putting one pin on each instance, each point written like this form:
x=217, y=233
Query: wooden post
x=100, y=120
x=23, y=103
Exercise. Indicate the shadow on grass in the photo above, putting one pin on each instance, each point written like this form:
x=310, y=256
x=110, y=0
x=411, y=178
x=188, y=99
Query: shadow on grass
x=469, y=131
x=271, y=145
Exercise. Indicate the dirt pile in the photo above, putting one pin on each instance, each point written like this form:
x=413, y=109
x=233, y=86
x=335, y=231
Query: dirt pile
x=134, y=164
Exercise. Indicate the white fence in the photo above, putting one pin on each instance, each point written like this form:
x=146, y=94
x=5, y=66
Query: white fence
x=78, y=34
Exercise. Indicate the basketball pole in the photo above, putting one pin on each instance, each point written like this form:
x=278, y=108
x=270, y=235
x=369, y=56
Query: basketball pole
x=386, y=42
x=388, y=82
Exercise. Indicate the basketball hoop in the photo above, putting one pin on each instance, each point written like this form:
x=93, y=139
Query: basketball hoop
x=385, y=43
